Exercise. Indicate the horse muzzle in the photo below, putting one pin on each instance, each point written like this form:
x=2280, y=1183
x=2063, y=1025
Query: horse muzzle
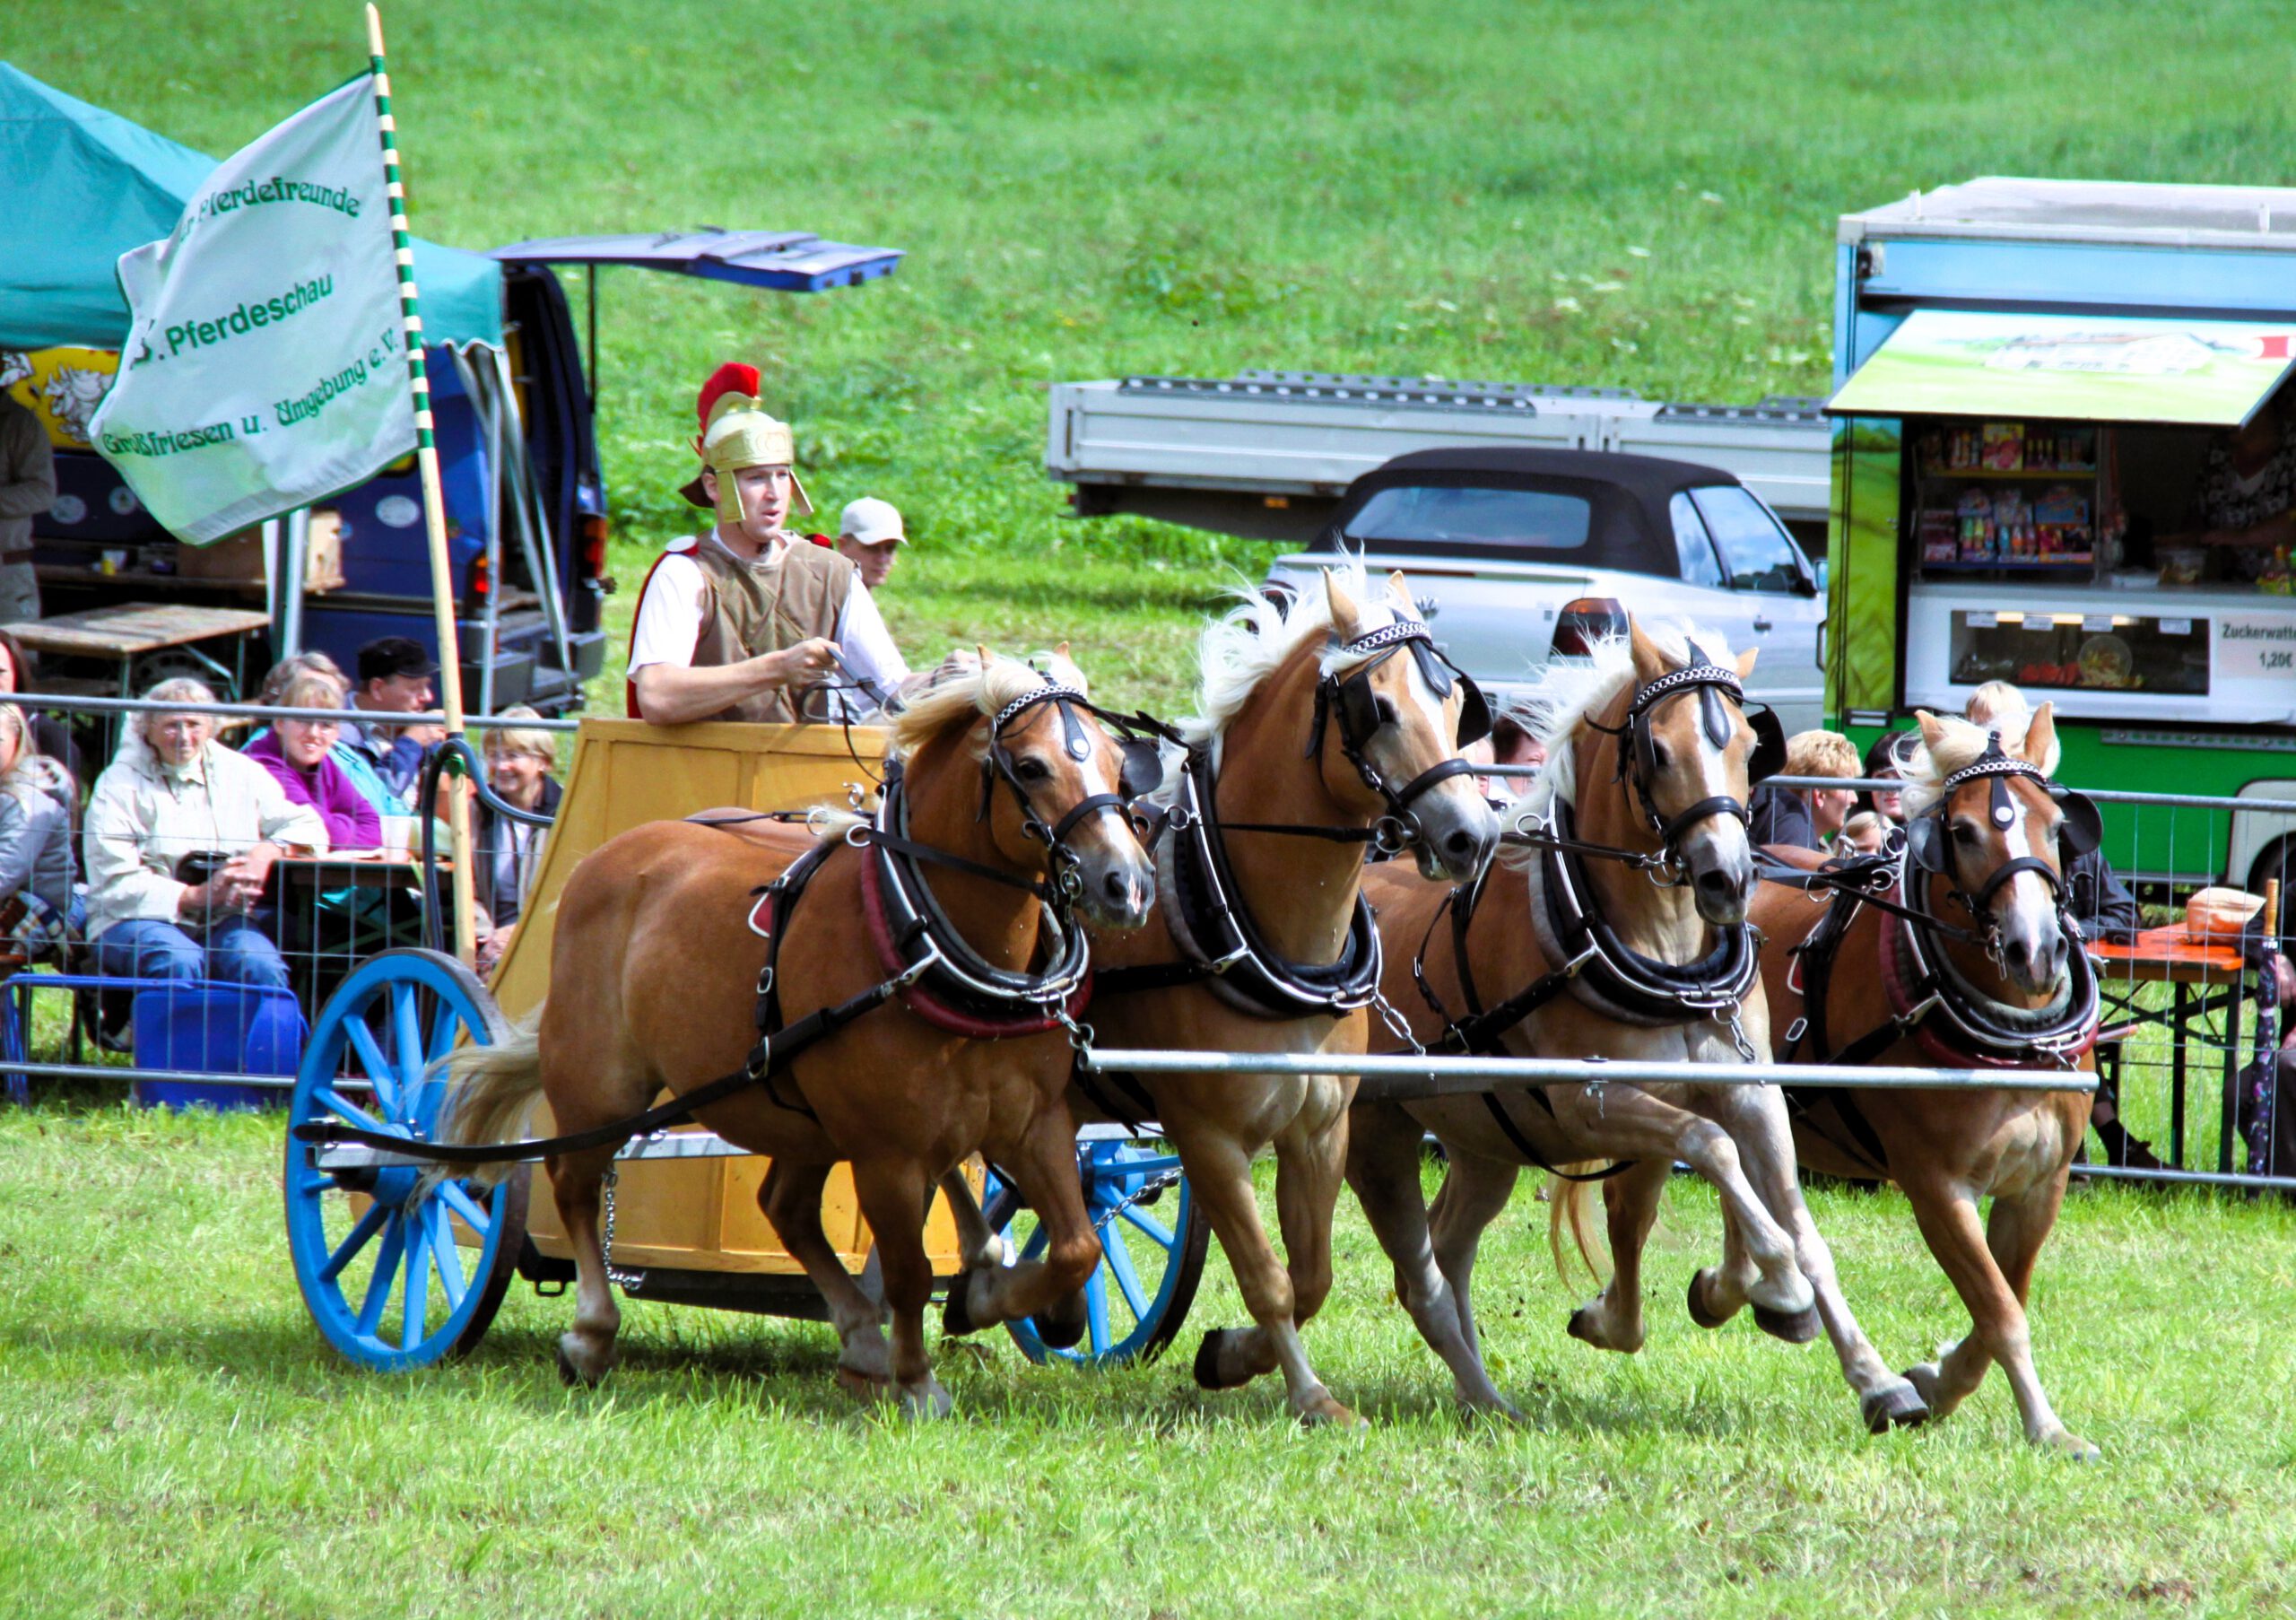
x=1117, y=893
x=1459, y=833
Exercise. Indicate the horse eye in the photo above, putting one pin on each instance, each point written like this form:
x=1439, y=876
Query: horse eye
x=1032, y=769
x=1965, y=832
x=1387, y=710
x=1659, y=759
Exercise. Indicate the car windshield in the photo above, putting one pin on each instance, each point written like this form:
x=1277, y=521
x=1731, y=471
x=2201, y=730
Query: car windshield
x=1757, y=552
x=1448, y=515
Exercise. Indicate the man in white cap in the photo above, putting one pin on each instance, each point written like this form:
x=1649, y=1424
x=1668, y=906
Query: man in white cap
x=870, y=534
x=739, y=623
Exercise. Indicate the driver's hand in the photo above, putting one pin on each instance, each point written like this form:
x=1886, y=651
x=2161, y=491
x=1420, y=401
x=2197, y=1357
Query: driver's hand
x=808, y=661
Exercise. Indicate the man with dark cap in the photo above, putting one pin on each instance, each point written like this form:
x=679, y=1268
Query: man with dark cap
x=394, y=678
x=738, y=622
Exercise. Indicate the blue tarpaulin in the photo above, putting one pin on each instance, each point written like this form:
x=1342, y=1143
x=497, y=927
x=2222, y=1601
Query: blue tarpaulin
x=82, y=186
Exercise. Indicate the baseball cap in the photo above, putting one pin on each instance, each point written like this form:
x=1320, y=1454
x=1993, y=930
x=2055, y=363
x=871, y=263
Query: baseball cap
x=389, y=656
x=871, y=521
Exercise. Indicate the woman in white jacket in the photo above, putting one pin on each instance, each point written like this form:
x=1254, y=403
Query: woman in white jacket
x=170, y=791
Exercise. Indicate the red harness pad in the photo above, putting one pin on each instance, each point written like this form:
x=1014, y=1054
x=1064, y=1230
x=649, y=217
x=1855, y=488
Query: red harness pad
x=1940, y=1051
x=930, y=1007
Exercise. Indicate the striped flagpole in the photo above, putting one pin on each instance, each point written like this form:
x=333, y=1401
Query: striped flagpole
x=434, y=511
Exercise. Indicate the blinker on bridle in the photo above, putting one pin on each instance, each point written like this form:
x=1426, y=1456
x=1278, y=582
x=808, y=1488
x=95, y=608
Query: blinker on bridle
x=1076, y=742
x=1929, y=842
x=1358, y=706
x=1717, y=688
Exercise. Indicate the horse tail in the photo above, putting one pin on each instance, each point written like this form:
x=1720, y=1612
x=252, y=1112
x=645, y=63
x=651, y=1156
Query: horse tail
x=493, y=1089
x=1567, y=1203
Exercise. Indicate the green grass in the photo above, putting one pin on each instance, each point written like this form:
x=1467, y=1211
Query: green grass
x=181, y=1442
x=1527, y=192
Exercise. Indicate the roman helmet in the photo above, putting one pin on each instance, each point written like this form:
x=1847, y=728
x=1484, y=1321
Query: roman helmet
x=737, y=431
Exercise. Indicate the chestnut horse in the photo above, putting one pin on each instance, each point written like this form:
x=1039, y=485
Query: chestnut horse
x=1988, y=837
x=1325, y=724
x=1613, y=928
x=1004, y=777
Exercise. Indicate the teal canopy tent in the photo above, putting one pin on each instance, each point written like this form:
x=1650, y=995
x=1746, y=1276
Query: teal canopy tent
x=84, y=186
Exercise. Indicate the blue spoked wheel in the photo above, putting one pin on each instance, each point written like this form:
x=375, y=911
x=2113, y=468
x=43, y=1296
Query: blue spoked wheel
x=1152, y=1242
x=397, y=1276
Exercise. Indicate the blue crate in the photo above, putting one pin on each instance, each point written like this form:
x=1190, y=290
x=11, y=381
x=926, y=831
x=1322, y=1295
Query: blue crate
x=230, y=1028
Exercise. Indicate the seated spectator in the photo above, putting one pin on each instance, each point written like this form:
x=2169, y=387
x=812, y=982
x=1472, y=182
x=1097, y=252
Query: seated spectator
x=1885, y=761
x=1862, y=833
x=49, y=737
x=506, y=854
x=1508, y=743
x=354, y=764
x=173, y=791
x=394, y=678
x=38, y=909
x=299, y=755
x=1804, y=818
x=2000, y=706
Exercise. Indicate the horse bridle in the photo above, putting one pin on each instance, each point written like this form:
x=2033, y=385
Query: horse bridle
x=1929, y=843
x=1077, y=741
x=1638, y=758
x=1350, y=694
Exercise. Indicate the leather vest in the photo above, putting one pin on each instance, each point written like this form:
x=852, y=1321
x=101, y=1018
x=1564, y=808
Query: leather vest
x=754, y=609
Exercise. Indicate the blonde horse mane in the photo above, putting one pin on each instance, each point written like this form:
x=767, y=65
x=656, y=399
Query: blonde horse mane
x=1570, y=692
x=1255, y=637
x=966, y=688
x=1962, y=742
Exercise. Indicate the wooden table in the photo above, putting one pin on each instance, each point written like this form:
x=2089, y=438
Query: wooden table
x=324, y=943
x=128, y=630
x=2168, y=955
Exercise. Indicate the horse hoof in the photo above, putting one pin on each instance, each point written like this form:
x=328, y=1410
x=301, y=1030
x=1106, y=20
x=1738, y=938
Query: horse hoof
x=956, y=1310
x=1795, y=1327
x=1208, y=1375
x=1899, y=1405
x=1699, y=1313
x=923, y=1405
x=1580, y=1327
x=1325, y=1412
x=861, y=1385
x=573, y=1374
x=1065, y=1326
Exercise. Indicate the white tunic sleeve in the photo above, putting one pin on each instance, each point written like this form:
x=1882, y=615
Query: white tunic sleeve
x=867, y=648
x=669, y=614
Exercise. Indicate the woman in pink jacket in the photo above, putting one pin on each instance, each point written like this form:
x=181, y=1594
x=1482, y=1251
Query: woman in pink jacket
x=295, y=752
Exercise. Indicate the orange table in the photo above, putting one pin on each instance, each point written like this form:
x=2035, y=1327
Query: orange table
x=2168, y=955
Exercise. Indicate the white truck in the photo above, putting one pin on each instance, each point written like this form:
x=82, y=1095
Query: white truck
x=1268, y=454
x=1523, y=513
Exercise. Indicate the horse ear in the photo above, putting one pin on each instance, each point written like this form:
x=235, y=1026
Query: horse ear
x=1061, y=651
x=1933, y=729
x=1648, y=658
x=1747, y=661
x=2040, y=737
x=1400, y=589
x=1344, y=613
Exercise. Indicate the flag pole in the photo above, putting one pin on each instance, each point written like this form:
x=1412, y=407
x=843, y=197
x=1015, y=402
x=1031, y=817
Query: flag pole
x=434, y=511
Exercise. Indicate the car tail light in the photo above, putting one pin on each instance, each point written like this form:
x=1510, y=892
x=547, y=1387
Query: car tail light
x=1585, y=621
x=594, y=546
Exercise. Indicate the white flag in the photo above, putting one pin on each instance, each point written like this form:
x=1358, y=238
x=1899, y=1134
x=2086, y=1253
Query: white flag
x=265, y=366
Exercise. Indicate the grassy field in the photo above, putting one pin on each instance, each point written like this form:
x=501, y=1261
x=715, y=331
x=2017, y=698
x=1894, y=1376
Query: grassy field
x=181, y=1442
x=1519, y=192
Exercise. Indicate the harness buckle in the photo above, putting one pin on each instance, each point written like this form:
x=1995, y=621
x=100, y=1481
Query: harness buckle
x=1571, y=969
x=1230, y=960
x=761, y=1059
x=1913, y=1014
x=1795, y=1032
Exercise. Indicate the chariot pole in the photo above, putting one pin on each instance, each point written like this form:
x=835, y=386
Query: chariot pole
x=434, y=513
